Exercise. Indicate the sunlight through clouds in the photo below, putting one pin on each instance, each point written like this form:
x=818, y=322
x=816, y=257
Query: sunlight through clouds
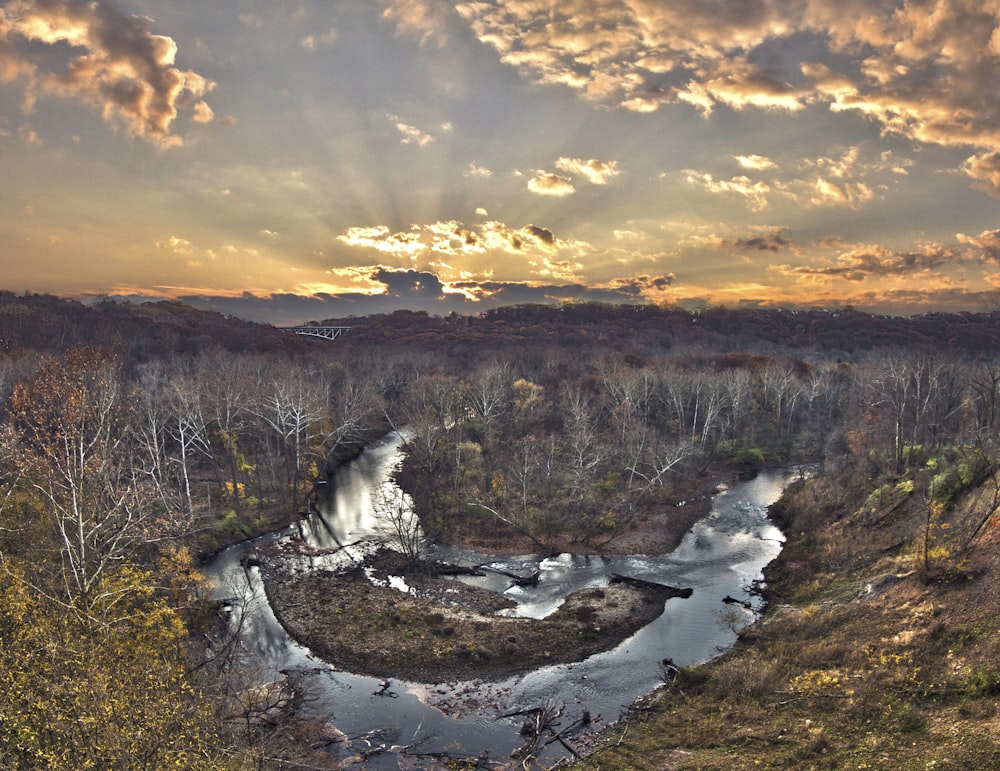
x=754, y=152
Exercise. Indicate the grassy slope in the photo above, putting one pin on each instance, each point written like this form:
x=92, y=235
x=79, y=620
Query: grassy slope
x=864, y=659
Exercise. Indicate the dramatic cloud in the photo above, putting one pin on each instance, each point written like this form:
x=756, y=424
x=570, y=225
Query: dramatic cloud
x=452, y=239
x=647, y=151
x=409, y=283
x=926, y=73
x=388, y=290
x=92, y=52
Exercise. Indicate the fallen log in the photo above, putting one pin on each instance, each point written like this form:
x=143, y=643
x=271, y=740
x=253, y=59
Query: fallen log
x=531, y=579
x=672, y=591
x=448, y=569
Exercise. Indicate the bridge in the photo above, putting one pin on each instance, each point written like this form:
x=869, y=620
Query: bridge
x=328, y=333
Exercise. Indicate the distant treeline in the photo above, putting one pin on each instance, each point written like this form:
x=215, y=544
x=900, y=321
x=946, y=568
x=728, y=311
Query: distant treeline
x=154, y=329
x=645, y=330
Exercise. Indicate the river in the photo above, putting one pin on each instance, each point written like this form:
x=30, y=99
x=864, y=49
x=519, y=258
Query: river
x=721, y=556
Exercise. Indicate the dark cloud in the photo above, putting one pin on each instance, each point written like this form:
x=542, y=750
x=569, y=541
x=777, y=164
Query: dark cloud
x=876, y=261
x=542, y=234
x=410, y=284
x=637, y=286
x=770, y=242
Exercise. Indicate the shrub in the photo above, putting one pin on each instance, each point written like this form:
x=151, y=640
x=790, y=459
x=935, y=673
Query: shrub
x=984, y=680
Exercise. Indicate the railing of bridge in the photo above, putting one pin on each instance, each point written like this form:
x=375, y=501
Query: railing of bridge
x=327, y=333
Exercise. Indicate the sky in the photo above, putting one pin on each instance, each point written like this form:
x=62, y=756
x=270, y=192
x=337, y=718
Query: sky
x=287, y=161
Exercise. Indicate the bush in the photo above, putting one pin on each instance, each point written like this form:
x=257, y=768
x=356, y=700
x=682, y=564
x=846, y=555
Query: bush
x=753, y=457
x=984, y=680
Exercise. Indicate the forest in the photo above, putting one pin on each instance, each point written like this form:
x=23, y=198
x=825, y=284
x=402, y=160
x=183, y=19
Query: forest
x=138, y=440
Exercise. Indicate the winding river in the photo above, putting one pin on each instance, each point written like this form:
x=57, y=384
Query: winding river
x=719, y=557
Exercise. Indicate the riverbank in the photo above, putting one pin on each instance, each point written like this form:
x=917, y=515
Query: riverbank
x=874, y=652
x=272, y=513
x=443, y=630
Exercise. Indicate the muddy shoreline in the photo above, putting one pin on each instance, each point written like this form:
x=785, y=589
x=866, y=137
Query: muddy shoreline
x=444, y=630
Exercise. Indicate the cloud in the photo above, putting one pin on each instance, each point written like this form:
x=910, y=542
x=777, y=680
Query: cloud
x=755, y=162
x=312, y=41
x=409, y=283
x=866, y=261
x=426, y=20
x=411, y=135
x=475, y=170
x=381, y=239
x=986, y=243
x=547, y=183
x=385, y=290
x=452, y=239
x=826, y=193
x=925, y=72
x=93, y=53
x=595, y=171
x=755, y=193
x=765, y=239
x=175, y=244
x=984, y=168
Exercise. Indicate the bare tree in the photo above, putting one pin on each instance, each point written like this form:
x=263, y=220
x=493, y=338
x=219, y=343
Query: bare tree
x=75, y=441
x=398, y=525
x=188, y=429
x=292, y=409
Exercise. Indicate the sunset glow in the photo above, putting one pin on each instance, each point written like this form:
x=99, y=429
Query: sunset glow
x=308, y=160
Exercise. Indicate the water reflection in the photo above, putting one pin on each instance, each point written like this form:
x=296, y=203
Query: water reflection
x=720, y=557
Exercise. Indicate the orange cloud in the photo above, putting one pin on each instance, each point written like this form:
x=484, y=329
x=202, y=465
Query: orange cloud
x=924, y=73
x=111, y=60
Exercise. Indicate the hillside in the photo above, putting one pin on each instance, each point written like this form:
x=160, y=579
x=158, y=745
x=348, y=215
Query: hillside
x=48, y=323
x=570, y=426
x=880, y=648
x=647, y=330
x=144, y=331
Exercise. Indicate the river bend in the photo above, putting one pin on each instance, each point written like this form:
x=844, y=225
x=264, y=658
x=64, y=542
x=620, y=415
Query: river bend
x=721, y=556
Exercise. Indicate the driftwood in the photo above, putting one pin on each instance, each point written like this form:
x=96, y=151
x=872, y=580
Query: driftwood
x=733, y=601
x=672, y=591
x=519, y=580
x=448, y=569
